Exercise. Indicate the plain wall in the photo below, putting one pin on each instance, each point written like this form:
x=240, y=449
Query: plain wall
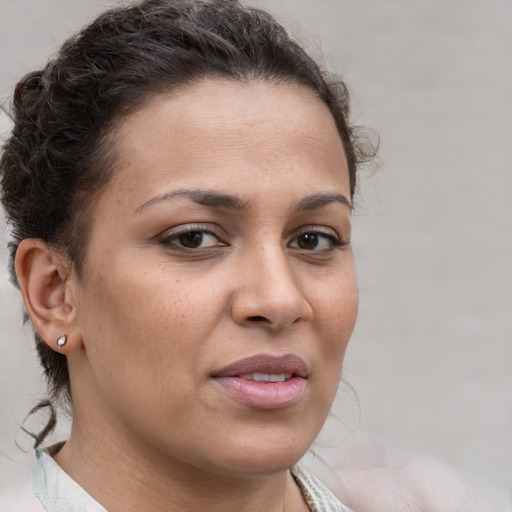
x=431, y=356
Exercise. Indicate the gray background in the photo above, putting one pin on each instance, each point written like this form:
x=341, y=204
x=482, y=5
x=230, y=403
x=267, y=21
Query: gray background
x=431, y=357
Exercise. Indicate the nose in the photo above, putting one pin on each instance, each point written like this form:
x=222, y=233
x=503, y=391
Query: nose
x=269, y=293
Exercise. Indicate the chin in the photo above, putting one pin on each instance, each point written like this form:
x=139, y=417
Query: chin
x=263, y=464
x=265, y=455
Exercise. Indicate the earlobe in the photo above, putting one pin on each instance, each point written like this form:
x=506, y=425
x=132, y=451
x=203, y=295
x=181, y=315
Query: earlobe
x=47, y=284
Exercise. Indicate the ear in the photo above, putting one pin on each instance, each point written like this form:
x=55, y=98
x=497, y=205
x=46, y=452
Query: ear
x=48, y=286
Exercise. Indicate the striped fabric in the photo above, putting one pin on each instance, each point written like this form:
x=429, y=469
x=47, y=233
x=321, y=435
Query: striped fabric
x=58, y=492
x=316, y=495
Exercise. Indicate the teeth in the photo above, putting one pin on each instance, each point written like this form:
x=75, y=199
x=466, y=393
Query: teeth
x=267, y=377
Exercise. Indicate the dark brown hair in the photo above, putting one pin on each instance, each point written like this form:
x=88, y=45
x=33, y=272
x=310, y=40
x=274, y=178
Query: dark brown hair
x=58, y=156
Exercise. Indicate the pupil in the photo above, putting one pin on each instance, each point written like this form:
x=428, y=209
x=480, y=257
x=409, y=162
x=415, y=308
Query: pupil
x=308, y=241
x=192, y=239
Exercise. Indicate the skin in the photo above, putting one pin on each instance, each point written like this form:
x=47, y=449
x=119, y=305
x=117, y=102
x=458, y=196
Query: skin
x=150, y=321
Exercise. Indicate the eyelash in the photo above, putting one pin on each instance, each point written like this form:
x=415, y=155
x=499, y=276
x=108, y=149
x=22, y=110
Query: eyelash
x=333, y=240
x=171, y=239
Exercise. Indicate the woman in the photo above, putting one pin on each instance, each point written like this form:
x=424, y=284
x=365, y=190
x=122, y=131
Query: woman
x=179, y=183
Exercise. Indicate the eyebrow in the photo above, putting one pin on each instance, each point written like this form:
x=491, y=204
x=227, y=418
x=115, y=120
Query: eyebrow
x=203, y=197
x=217, y=200
x=316, y=201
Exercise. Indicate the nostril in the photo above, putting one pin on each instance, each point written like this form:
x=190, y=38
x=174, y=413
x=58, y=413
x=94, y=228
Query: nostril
x=258, y=318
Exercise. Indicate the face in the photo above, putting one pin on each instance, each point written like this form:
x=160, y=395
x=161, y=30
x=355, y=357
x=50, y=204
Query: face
x=218, y=293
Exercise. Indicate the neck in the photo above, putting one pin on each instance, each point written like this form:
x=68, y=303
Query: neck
x=124, y=476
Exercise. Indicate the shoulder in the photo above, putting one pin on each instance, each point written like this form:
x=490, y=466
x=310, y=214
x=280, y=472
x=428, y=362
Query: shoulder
x=20, y=499
x=375, y=476
x=421, y=484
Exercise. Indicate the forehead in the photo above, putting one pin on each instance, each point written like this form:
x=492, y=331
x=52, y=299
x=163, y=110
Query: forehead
x=224, y=133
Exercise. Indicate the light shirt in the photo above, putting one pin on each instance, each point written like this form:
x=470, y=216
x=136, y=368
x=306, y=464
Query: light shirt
x=58, y=492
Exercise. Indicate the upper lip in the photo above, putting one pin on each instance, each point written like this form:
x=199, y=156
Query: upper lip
x=268, y=364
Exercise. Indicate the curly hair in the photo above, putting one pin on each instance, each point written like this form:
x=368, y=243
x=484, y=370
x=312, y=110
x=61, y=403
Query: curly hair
x=59, y=154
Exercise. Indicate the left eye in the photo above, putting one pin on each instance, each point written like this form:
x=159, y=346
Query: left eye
x=193, y=239
x=314, y=241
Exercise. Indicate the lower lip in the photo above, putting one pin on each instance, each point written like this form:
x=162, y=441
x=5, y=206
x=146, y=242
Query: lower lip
x=264, y=395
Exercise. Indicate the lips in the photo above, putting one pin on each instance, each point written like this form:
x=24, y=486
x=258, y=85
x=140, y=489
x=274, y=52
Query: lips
x=267, y=365
x=264, y=382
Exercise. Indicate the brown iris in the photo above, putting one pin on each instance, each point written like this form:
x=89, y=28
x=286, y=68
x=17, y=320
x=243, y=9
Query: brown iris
x=307, y=241
x=191, y=240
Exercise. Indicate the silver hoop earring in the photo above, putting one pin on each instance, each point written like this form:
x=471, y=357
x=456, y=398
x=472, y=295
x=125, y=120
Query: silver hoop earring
x=61, y=341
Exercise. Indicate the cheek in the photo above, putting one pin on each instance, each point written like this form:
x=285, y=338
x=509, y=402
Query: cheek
x=151, y=316
x=145, y=342
x=336, y=307
x=336, y=311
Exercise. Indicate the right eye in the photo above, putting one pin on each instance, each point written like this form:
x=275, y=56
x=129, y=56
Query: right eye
x=192, y=238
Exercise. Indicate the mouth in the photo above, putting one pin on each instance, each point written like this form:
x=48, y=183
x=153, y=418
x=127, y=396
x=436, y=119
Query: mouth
x=267, y=377
x=266, y=365
x=264, y=382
